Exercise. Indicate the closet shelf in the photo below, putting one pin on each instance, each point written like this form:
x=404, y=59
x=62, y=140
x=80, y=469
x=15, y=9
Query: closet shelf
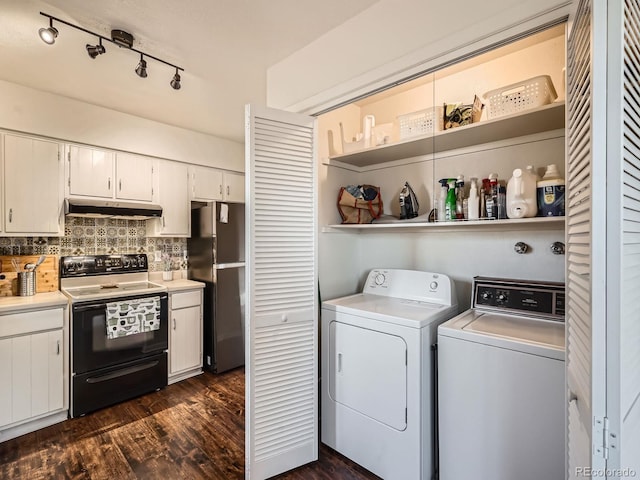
x=521, y=224
x=542, y=119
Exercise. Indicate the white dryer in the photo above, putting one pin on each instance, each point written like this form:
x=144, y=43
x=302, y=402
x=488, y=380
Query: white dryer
x=501, y=378
x=377, y=379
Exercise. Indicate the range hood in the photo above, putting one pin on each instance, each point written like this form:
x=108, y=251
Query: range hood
x=97, y=208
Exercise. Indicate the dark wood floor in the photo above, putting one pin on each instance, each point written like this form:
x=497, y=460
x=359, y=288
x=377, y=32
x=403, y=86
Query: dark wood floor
x=193, y=429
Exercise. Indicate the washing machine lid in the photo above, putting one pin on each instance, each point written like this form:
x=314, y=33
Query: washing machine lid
x=399, y=311
x=539, y=337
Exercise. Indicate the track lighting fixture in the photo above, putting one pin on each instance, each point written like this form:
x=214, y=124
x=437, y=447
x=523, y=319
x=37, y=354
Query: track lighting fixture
x=48, y=35
x=119, y=37
x=175, y=81
x=95, y=50
x=141, y=69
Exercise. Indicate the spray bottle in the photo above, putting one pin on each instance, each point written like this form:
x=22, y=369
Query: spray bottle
x=473, y=205
x=450, y=206
x=442, y=201
x=460, y=197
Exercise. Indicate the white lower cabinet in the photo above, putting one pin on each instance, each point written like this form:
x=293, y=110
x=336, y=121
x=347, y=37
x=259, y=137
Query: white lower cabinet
x=32, y=371
x=185, y=335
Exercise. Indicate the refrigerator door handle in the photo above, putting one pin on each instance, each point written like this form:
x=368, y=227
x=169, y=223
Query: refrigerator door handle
x=222, y=266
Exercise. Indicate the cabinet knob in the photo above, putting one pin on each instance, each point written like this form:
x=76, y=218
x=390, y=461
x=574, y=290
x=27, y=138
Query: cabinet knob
x=220, y=189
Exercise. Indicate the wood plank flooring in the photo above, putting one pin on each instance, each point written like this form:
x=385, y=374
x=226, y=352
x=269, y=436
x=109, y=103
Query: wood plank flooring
x=193, y=429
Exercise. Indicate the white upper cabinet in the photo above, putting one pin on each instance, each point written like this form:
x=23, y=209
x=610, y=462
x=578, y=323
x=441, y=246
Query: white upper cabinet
x=90, y=172
x=210, y=185
x=233, y=187
x=93, y=172
x=33, y=186
x=173, y=196
x=206, y=183
x=135, y=177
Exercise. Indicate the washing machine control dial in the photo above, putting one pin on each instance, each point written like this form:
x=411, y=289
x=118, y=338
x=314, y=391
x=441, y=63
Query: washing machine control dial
x=433, y=285
x=380, y=278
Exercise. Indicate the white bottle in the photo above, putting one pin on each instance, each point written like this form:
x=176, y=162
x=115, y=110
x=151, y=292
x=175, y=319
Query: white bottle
x=473, y=201
x=368, y=123
x=521, y=194
x=441, y=206
x=551, y=193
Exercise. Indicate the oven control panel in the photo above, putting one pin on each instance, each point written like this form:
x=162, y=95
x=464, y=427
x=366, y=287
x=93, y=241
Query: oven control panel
x=542, y=299
x=81, y=265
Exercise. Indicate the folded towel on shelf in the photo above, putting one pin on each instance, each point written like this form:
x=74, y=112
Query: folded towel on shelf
x=130, y=317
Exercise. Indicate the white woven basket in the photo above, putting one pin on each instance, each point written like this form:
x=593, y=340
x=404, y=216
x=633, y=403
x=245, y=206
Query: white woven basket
x=421, y=122
x=517, y=97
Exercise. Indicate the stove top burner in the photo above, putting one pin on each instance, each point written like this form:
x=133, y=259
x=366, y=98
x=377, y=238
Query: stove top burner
x=101, y=277
x=118, y=289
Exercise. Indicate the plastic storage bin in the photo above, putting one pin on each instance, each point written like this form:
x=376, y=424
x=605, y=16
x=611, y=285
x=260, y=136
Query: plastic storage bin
x=422, y=122
x=517, y=97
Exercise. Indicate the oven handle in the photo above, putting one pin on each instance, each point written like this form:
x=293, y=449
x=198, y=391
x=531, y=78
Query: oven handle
x=123, y=372
x=103, y=305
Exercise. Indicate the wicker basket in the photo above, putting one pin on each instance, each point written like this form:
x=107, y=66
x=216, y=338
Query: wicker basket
x=422, y=122
x=521, y=96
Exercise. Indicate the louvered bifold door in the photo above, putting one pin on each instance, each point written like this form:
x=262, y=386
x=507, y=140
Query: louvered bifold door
x=282, y=302
x=623, y=238
x=585, y=237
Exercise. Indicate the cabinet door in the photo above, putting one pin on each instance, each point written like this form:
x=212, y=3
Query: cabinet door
x=90, y=172
x=173, y=196
x=233, y=187
x=186, y=340
x=206, y=184
x=32, y=375
x=135, y=177
x=5, y=381
x=32, y=186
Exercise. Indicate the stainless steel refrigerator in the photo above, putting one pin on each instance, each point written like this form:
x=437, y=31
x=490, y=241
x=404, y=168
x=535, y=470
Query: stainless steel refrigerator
x=216, y=257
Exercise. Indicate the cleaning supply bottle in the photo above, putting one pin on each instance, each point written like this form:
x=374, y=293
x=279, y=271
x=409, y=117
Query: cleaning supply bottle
x=521, y=194
x=460, y=197
x=450, y=207
x=473, y=206
x=491, y=198
x=551, y=193
x=502, y=202
x=442, y=201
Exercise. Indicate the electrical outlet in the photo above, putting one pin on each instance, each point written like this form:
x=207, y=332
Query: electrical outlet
x=184, y=255
x=157, y=256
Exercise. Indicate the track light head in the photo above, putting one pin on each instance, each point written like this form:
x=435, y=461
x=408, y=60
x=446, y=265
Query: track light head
x=175, y=81
x=141, y=69
x=48, y=35
x=95, y=50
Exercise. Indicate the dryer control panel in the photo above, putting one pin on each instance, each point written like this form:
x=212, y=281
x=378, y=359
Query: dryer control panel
x=411, y=285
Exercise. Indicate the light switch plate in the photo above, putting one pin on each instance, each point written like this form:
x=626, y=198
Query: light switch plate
x=157, y=256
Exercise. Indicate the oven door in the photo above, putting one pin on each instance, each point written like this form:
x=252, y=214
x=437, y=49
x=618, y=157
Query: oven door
x=93, y=349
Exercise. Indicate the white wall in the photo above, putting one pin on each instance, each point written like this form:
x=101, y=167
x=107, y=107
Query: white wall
x=34, y=111
x=394, y=39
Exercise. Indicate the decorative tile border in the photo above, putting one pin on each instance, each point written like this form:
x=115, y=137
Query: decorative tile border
x=101, y=236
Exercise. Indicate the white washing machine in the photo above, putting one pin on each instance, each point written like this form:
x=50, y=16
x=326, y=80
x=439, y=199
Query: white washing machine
x=377, y=380
x=501, y=384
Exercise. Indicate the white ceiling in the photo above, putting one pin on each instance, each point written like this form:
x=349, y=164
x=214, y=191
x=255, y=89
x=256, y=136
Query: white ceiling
x=225, y=47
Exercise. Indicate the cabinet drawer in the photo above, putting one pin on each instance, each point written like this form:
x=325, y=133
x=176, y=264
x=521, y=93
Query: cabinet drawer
x=28, y=322
x=185, y=299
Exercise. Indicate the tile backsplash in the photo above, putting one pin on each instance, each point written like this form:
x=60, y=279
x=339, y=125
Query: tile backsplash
x=101, y=236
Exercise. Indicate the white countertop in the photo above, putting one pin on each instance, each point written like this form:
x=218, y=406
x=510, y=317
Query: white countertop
x=32, y=302
x=178, y=284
